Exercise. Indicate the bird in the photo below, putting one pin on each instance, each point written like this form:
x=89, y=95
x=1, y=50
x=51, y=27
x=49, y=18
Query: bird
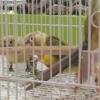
x=43, y=39
x=7, y=41
x=11, y=41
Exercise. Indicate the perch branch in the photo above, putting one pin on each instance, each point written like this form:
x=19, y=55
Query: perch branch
x=38, y=49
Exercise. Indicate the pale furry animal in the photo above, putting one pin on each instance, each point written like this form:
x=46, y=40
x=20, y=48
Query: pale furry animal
x=10, y=41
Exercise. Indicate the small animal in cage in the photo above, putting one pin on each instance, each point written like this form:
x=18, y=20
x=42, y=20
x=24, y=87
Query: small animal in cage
x=7, y=41
x=11, y=41
x=32, y=39
x=42, y=39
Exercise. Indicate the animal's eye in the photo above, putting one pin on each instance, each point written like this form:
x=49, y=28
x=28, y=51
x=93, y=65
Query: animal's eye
x=31, y=39
x=10, y=42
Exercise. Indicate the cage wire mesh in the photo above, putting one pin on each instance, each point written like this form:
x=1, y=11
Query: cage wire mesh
x=43, y=52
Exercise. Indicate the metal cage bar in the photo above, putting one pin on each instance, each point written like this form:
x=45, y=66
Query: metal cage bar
x=42, y=52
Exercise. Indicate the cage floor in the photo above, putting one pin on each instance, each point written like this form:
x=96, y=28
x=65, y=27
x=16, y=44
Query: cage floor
x=16, y=91
x=47, y=92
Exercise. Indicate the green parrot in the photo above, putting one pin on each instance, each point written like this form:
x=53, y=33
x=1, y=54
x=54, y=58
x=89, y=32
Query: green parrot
x=54, y=41
x=41, y=38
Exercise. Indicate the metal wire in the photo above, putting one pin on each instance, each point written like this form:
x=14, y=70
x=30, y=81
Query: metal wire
x=50, y=18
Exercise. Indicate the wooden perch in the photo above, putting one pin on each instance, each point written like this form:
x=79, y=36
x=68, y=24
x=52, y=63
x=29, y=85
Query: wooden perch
x=56, y=66
x=38, y=50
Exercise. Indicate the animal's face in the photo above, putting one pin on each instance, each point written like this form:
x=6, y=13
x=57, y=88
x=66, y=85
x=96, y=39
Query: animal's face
x=10, y=42
x=29, y=39
x=36, y=38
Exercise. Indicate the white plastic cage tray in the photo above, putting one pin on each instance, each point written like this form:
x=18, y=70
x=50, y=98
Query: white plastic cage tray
x=19, y=68
x=14, y=91
x=42, y=92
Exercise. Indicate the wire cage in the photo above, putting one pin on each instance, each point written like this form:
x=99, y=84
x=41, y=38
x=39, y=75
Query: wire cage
x=47, y=50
